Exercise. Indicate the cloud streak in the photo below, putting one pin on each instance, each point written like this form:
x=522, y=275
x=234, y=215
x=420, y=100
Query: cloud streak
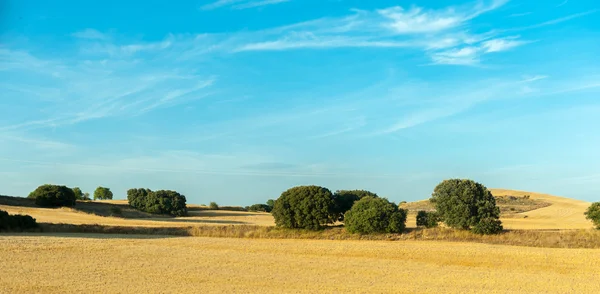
x=240, y=4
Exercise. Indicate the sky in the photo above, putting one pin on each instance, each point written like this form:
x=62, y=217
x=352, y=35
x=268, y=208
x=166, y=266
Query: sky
x=235, y=101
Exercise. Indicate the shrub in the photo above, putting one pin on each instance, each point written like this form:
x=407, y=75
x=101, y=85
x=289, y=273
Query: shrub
x=464, y=203
x=593, y=214
x=305, y=207
x=53, y=196
x=488, y=226
x=159, y=202
x=16, y=222
x=103, y=193
x=259, y=207
x=213, y=206
x=116, y=211
x=78, y=193
x=344, y=199
x=375, y=215
x=428, y=219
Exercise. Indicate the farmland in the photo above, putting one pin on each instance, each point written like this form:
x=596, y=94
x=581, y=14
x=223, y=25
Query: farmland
x=240, y=252
x=110, y=264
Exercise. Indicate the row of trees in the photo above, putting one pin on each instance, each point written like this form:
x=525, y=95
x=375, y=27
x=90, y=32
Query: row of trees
x=58, y=195
x=160, y=202
x=460, y=203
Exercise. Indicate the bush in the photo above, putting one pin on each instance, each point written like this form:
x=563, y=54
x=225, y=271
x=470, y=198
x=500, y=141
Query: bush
x=159, y=202
x=428, y=219
x=16, y=222
x=488, y=226
x=464, y=203
x=259, y=207
x=53, y=196
x=305, y=207
x=344, y=199
x=213, y=206
x=375, y=215
x=103, y=193
x=78, y=193
x=593, y=214
x=271, y=204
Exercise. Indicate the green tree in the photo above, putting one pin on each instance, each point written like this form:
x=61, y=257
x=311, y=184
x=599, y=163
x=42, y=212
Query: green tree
x=375, y=215
x=53, y=196
x=213, y=206
x=593, y=214
x=78, y=193
x=344, y=199
x=305, y=207
x=103, y=193
x=86, y=196
x=159, y=202
x=428, y=219
x=462, y=203
x=259, y=207
x=271, y=204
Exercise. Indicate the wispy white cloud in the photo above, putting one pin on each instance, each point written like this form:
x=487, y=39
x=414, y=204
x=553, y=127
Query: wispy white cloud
x=419, y=20
x=100, y=88
x=442, y=34
x=252, y=4
x=91, y=34
x=499, y=45
x=37, y=143
x=240, y=4
x=529, y=79
x=471, y=55
x=554, y=21
x=562, y=3
x=520, y=14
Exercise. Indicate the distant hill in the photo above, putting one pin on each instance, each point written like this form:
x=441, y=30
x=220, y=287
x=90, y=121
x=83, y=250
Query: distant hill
x=527, y=210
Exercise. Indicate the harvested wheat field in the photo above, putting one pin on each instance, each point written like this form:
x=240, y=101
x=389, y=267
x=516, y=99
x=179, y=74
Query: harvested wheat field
x=119, y=264
x=204, y=217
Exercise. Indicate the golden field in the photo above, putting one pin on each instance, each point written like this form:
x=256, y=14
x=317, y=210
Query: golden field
x=203, y=217
x=112, y=264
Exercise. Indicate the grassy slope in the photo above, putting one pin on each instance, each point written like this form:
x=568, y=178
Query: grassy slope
x=127, y=264
x=564, y=213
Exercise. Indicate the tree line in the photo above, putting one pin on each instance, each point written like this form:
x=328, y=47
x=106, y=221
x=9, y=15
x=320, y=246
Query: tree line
x=459, y=203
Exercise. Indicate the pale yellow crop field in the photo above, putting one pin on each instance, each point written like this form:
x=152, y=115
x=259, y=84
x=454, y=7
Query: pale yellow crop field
x=564, y=213
x=207, y=217
x=109, y=264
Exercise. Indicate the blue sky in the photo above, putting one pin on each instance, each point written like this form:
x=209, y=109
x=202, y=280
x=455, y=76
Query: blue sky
x=235, y=101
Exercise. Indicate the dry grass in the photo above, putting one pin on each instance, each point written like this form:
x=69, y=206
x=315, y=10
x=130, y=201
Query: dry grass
x=529, y=238
x=71, y=263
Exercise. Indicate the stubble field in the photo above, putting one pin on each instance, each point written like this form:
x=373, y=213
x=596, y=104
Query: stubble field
x=119, y=264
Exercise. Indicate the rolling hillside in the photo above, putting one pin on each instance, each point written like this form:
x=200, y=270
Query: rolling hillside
x=555, y=213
